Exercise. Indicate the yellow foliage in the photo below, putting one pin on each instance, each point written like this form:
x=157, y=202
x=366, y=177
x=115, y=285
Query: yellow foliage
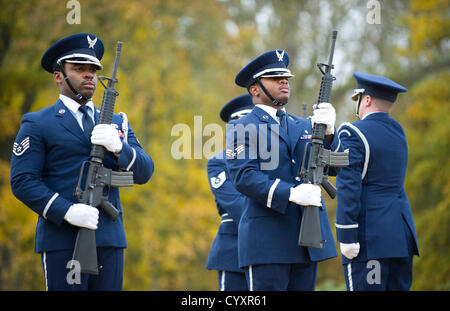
x=20, y=267
x=429, y=24
x=428, y=182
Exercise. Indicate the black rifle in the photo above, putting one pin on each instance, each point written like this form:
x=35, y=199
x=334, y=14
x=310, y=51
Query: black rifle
x=94, y=191
x=320, y=159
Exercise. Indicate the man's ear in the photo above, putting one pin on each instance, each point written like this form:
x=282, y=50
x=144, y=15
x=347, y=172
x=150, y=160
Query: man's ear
x=253, y=90
x=368, y=100
x=58, y=76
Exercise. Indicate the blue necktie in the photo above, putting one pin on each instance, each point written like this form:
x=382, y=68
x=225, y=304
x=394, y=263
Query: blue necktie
x=86, y=120
x=283, y=121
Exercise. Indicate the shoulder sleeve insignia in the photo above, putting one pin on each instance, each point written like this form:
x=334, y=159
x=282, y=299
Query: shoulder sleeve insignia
x=218, y=181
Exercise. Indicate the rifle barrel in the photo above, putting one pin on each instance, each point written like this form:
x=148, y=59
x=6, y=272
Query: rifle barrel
x=333, y=42
x=116, y=60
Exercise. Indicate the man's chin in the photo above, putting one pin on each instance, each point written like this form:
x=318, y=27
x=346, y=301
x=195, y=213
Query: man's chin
x=283, y=99
x=87, y=93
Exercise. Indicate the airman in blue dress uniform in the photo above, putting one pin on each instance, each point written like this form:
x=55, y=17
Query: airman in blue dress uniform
x=48, y=152
x=223, y=256
x=374, y=223
x=264, y=151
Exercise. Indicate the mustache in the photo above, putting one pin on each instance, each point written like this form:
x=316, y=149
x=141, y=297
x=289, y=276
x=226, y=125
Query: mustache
x=88, y=82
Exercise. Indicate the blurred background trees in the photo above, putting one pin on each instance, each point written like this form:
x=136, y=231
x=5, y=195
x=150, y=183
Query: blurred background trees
x=179, y=60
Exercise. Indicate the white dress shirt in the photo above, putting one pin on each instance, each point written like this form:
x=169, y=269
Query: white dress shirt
x=73, y=108
x=271, y=111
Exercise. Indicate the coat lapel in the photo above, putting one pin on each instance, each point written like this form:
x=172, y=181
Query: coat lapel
x=273, y=125
x=68, y=121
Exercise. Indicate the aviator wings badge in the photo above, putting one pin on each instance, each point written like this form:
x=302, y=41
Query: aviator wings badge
x=280, y=55
x=91, y=42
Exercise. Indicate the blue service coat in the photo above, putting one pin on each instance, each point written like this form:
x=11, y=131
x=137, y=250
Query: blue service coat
x=263, y=165
x=230, y=203
x=373, y=208
x=51, y=147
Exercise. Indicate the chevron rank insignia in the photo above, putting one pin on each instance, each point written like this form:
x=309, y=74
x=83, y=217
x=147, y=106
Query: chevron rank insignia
x=239, y=149
x=230, y=154
x=20, y=148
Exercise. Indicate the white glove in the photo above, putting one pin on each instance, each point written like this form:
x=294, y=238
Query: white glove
x=107, y=136
x=82, y=215
x=350, y=250
x=306, y=194
x=324, y=113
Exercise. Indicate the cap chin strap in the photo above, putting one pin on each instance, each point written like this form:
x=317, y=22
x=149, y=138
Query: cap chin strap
x=360, y=93
x=359, y=105
x=274, y=101
x=66, y=78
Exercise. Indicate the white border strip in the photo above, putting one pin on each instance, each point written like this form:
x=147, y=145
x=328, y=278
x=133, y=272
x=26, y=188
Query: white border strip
x=271, y=191
x=225, y=215
x=349, y=276
x=132, y=160
x=222, y=281
x=44, y=260
x=339, y=138
x=44, y=213
x=250, y=276
x=346, y=226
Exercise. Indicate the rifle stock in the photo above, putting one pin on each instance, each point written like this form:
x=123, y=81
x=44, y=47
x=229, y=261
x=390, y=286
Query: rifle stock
x=85, y=251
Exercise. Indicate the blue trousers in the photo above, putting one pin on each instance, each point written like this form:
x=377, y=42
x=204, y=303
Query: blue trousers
x=61, y=275
x=232, y=281
x=282, y=277
x=381, y=274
